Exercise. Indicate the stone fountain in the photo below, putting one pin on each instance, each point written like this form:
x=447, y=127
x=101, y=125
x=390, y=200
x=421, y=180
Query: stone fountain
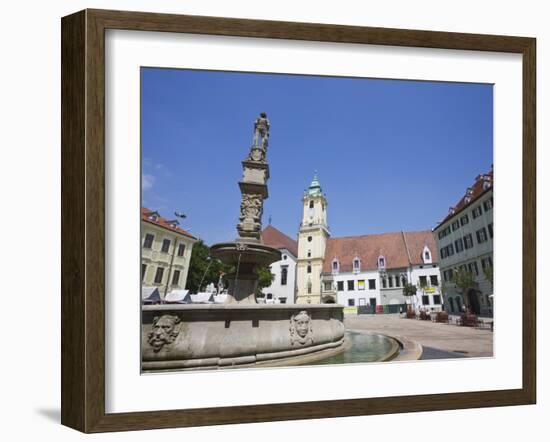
x=241, y=332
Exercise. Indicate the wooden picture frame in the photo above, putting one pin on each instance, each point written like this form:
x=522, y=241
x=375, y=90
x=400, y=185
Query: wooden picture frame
x=83, y=220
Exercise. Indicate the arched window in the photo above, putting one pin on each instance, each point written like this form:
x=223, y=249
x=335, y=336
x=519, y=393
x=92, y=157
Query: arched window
x=426, y=255
x=335, y=266
x=284, y=275
x=381, y=262
x=311, y=204
x=356, y=265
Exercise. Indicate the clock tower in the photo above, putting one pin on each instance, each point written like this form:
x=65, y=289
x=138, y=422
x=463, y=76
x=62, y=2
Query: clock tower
x=312, y=241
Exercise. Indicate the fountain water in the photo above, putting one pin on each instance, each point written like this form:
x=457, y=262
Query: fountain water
x=242, y=332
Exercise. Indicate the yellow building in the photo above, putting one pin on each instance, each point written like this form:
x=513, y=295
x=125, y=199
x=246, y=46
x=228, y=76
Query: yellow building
x=165, y=252
x=312, y=241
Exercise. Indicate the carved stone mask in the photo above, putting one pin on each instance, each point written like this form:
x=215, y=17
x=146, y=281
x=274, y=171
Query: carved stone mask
x=164, y=331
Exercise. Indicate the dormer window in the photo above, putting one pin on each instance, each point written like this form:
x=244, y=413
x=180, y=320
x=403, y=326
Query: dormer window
x=356, y=265
x=381, y=262
x=426, y=255
x=335, y=266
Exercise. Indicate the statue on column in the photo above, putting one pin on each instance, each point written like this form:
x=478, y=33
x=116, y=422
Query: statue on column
x=261, y=131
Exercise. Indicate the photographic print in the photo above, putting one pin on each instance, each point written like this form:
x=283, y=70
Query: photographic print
x=297, y=220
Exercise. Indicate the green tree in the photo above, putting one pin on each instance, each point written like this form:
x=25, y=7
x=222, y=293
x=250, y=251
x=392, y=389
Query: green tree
x=488, y=272
x=203, y=269
x=266, y=277
x=463, y=279
x=409, y=290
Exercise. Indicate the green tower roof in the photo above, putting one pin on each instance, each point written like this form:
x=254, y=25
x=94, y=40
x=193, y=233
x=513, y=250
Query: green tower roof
x=315, y=187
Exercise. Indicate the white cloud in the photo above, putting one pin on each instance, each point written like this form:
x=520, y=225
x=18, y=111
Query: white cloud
x=147, y=181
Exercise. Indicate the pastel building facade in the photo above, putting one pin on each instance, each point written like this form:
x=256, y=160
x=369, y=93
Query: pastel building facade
x=165, y=253
x=465, y=241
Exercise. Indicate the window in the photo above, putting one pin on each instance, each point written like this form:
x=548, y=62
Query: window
x=269, y=296
x=437, y=299
x=361, y=284
x=486, y=262
x=448, y=275
x=148, y=241
x=165, y=246
x=490, y=228
x=476, y=212
x=372, y=284
x=340, y=286
x=397, y=280
x=427, y=256
x=403, y=280
x=384, y=283
x=143, y=270
x=381, y=262
x=181, y=249
x=351, y=285
x=335, y=266
x=284, y=275
x=456, y=225
x=472, y=268
x=464, y=220
x=481, y=235
x=309, y=287
x=176, y=277
x=351, y=302
x=309, y=253
x=390, y=281
x=311, y=204
x=284, y=257
x=158, y=275
x=425, y=300
x=328, y=286
x=459, y=245
x=488, y=204
x=309, y=268
x=468, y=242
x=443, y=252
x=434, y=282
x=423, y=281
x=356, y=264
x=309, y=238
x=446, y=231
x=451, y=250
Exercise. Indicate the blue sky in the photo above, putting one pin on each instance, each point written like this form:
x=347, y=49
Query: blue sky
x=390, y=154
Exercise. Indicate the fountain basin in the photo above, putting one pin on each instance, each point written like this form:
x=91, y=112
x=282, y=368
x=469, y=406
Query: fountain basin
x=212, y=336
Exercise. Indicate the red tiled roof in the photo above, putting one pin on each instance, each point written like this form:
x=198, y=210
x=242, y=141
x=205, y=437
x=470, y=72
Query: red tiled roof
x=400, y=249
x=278, y=240
x=162, y=222
x=471, y=195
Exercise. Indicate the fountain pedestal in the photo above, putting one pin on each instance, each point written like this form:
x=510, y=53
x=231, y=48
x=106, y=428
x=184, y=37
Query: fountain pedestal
x=245, y=257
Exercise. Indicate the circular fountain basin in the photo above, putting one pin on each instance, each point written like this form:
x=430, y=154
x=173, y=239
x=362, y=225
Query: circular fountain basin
x=212, y=336
x=245, y=253
x=364, y=347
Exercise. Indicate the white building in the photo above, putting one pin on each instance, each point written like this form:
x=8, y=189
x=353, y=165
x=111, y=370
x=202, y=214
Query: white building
x=366, y=270
x=465, y=241
x=371, y=270
x=283, y=288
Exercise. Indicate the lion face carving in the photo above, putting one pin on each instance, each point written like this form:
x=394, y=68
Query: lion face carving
x=301, y=330
x=165, y=330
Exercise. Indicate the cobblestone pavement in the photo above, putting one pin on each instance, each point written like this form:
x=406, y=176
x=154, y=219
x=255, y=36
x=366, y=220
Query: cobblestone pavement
x=439, y=340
